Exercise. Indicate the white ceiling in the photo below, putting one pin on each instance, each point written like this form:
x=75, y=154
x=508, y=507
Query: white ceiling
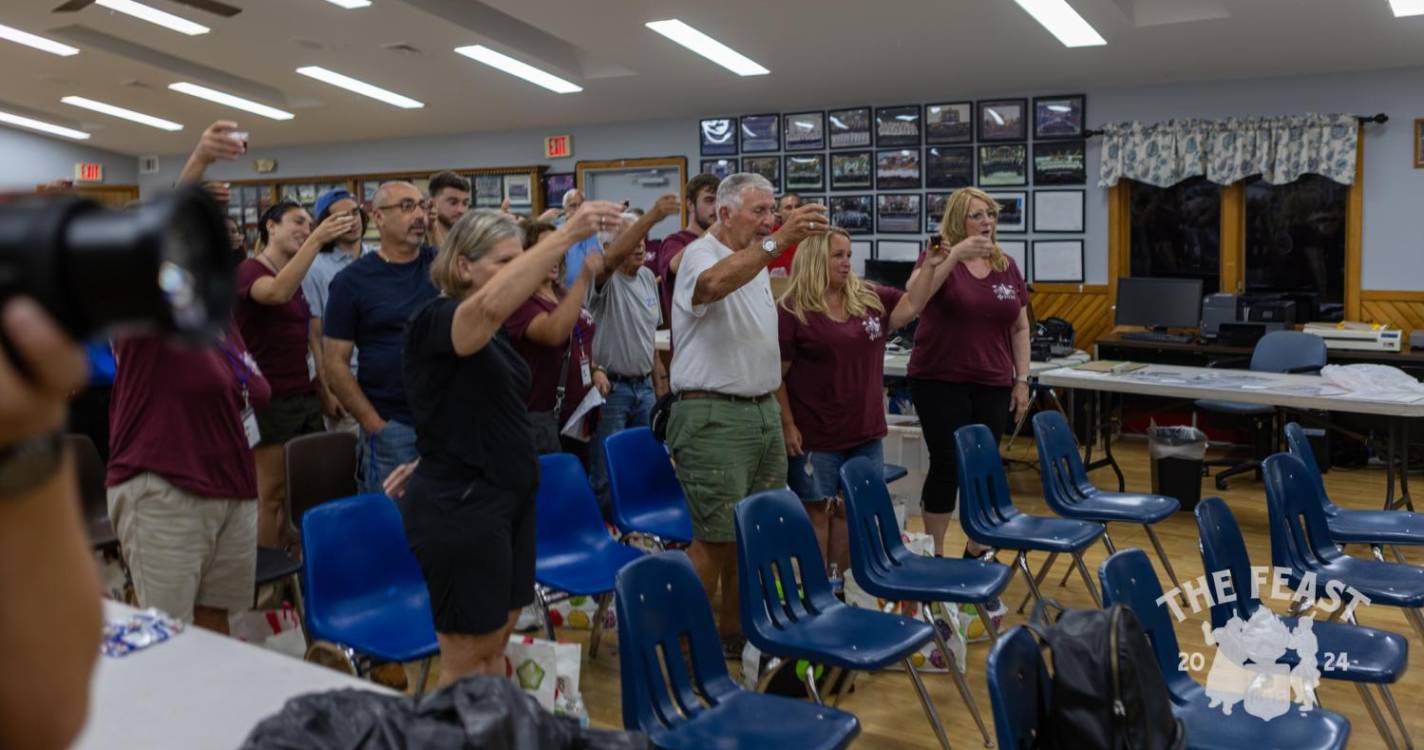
x=820, y=54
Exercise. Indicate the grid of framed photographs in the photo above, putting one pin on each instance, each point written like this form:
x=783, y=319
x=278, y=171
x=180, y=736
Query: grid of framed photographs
x=890, y=170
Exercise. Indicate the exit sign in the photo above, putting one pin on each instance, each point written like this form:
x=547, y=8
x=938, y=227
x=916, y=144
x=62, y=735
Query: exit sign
x=558, y=147
x=88, y=171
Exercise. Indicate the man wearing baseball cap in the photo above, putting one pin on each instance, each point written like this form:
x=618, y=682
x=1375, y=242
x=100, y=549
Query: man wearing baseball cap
x=329, y=261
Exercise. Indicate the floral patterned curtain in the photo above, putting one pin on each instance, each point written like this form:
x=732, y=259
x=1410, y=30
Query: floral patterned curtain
x=1280, y=149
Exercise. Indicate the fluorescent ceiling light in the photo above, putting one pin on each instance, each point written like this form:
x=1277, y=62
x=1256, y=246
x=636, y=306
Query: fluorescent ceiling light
x=153, y=15
x=708, y=47
x=1063, y=22
x=38, y=42
x=359, y=87
x=127, y=114
x=43, y=127
x=236, y=102
x=1407, y=7
x=518, y=69
x=351, y=4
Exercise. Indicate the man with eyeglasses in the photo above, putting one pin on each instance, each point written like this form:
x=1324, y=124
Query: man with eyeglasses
x=366, y=311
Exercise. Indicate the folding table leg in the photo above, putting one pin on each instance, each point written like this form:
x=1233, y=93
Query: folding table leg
x=1375, y=715
x=925, y=701
x=952, y=664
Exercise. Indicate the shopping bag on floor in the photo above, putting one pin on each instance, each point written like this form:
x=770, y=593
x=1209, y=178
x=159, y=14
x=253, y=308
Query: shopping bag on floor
x=945, y=616
x=548, y=671
x=277, y=630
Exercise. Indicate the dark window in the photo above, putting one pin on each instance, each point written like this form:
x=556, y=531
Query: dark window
x=1295, y=237
x=1176, y=231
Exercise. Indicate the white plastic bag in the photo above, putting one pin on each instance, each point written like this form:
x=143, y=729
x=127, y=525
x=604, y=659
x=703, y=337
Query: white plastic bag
x=277, y=630
x=1373, y=380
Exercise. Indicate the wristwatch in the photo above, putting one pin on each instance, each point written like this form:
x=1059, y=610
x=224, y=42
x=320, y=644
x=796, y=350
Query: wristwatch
x=29, y=464
x=1021, y=380
x=771, y=247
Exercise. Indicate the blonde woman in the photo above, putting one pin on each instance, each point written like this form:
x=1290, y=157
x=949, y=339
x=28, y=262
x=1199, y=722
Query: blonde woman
x=469, y=504
x=970, y=361
x=832, y=327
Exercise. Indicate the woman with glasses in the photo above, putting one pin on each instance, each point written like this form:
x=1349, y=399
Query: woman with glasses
x=970, y=361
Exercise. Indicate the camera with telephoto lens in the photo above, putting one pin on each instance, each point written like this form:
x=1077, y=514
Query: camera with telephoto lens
x=162, y=267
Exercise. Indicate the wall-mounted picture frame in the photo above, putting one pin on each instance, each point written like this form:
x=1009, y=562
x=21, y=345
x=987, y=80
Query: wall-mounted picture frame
x=1059, y=211
x=897, y=126
x=904, y=250
x=1060, y=163
x=1419, y=143
x=949, y=167
x=1059, y=117
x=1003, y=165
x=717, y=136
x=934, y=210
x=853, y=213
x=760, y=133
x=804, y=172
x=898, y=213
x=1003, y=120
x=489, y=191
x=1013, y=210
x=555, y=185
x=804, y=131
x=1058, y=261
x=852, y=170
x=849, y=128
x=766, y=166
x=812, y=198
x=1018, y=250
x=860, y=252
x=720, y=168
x=518, y=190
x=951, y=122
x=897, y=169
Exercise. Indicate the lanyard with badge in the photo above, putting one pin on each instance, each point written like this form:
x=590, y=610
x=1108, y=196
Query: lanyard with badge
x=238, y=362
x=585, y=367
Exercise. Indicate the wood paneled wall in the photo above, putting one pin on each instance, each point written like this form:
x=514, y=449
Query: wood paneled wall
x=1086, y=306
x=1403, y=310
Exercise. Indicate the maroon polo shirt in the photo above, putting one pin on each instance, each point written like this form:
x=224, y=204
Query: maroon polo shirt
x=965, y=332
x=276, y=334
x=672, y=246
x=544, y=361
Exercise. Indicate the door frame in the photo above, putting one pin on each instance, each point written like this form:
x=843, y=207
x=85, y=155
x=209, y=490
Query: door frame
x=680, y=162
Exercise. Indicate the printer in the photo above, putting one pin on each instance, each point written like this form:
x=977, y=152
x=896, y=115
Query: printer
x=1360, y=337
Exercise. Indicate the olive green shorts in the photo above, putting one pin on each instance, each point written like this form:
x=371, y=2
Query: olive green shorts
x=724, y=451
x=286, y=418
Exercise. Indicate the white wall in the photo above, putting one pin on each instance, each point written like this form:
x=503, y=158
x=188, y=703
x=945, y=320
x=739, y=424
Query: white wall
x=28, y=159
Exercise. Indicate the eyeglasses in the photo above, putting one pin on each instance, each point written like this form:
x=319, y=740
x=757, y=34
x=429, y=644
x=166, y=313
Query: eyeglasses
x=407, y=205
x=982, y=215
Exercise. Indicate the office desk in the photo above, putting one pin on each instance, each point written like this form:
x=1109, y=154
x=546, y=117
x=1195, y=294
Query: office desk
x=1114, y=346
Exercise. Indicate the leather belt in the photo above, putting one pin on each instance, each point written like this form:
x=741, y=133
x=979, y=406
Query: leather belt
x=691, y=395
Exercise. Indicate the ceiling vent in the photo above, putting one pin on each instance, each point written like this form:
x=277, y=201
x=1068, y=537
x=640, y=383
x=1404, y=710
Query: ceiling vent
x=401, y=48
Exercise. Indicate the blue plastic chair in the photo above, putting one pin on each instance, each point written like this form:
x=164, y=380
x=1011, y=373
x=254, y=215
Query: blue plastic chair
x=1292, y=494
x=1128, y=579
x=1070, y=494
x=665, y=623
x=989, y=517
x=1277, y=351
x=1376, y=528
x=894, y=473
x=574, y=553
x=364, y=589
x=885, y=569
x=1020, y=689
x=1376, y=657
x=643, y=488
x=788, y=609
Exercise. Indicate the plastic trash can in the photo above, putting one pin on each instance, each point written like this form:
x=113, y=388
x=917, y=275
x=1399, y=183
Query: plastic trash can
x=1177, y=457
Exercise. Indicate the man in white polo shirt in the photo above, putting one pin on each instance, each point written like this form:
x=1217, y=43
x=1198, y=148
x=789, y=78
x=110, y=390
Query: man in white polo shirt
x=725, y=429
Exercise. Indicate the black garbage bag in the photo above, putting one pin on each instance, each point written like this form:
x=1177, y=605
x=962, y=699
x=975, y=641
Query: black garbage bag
x=478, y=712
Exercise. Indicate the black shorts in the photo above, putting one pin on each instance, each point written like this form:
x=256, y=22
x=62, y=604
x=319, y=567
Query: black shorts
x=475, y=544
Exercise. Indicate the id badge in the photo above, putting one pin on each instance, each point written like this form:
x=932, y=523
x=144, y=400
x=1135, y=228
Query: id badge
x=586, y=373
x=249, y=421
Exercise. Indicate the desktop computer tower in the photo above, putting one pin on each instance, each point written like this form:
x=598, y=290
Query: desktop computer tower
x=1217, y=309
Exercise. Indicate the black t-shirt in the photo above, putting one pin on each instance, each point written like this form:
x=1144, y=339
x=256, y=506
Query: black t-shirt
x=469, y=411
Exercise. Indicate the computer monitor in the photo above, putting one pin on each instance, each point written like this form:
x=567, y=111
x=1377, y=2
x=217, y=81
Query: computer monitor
x=1159, y=303
x=894, y=273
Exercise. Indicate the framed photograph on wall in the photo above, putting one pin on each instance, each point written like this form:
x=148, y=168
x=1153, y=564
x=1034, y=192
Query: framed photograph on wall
x=1003, y=120
x=1058, y=116
x=897, y=213
x=805, y=171
x=718, y=136
x=934, y=210
x=1013, y=211
x=811, y=198
x=489, y=191
x=897, y=126
x=719, y=168
x=860, y=252
x=1003, y=166
x=555, y=185
x=1060, y=163
x=852, y=170
x=905, y=250
x=949, y=167
x=849, y=128
x=766, y=166
x=1058, y=261
x=804, y=131
x=761, y=133
x=949, y=123
x=853, y=213
x=1018, y=250
x=1059, y=210
x=517, y=190
x=897, y=169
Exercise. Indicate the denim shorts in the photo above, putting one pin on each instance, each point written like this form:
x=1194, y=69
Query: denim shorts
x=816, y=475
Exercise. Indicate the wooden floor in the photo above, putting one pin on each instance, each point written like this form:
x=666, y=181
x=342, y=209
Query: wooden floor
x=890, y=714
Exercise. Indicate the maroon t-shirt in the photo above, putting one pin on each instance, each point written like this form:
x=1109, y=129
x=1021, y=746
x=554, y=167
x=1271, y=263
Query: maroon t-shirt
x=836, y=380
x=965, y=332
x=276, y=334
x=544, y=361
x=672, y=246
x=176, y=411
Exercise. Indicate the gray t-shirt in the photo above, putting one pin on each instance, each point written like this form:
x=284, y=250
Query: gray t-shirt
x=627, y=312
x=316, y=285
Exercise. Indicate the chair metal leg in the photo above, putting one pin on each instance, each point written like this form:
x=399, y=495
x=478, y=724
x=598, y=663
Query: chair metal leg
x=1022, y=560
x=1087, y=579
x=955, y=671
x=811, y=689
x=988, y=621
x=542, y=599
x=1398, y=554
x=1107, y=542
x=1162, y=555
x=1042, y=572
x=598, y=617
x=930, y=711
x=424, y=676
x=846, y=688
x=1393, y=707
x=765, y=679
x=1375, y=715
x=1416, y=620
x=1377, y=552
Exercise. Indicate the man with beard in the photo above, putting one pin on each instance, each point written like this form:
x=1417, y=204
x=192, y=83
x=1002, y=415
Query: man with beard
x=316, y=287
x=370, y=302
x=701, y=197
x=449, y=200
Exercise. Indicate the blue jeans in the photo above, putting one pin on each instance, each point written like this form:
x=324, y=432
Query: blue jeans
x=382, y=452
x=627, y=405
x=816, y=475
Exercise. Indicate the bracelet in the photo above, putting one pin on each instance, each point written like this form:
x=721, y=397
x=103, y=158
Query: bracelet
x=1021, y=380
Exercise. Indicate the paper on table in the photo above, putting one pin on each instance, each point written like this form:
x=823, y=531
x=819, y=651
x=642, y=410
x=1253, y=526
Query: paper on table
x=574, y=427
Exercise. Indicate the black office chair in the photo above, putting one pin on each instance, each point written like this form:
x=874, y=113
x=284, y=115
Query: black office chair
x=1277, y=351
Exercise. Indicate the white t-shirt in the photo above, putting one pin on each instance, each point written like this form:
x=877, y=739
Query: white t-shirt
x=728, y=346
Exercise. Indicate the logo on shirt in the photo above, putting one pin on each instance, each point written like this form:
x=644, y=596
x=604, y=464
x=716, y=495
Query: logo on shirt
x=1005, y=292
x=872, y=326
